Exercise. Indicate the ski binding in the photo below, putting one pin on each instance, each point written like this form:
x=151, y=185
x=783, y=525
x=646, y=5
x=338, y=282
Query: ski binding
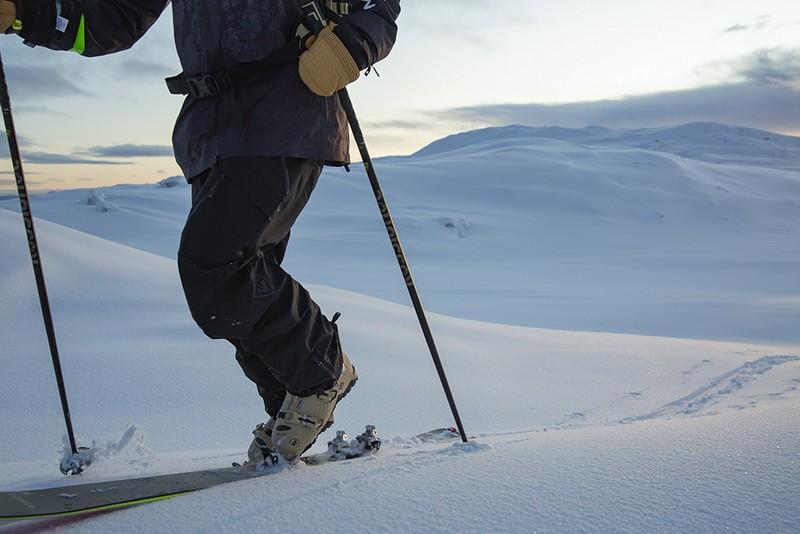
x=343, y=448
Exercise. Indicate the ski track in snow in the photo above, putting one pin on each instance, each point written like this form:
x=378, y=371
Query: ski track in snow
x=719, y=388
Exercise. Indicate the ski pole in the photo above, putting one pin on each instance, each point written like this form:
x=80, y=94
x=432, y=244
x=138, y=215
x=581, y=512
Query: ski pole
x=315, y=17
x=27, y=217
x=344, y=97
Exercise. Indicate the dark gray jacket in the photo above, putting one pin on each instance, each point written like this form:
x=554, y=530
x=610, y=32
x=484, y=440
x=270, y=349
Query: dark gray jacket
x=276, y=116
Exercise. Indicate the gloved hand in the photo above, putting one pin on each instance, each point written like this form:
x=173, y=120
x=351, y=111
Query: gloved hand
x=327, y=66
x=8, y=14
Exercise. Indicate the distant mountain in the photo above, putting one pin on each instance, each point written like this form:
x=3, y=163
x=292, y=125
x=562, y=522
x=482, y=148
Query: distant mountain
x=704, y=141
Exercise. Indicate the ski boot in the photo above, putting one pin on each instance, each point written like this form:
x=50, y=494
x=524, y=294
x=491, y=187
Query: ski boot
x=302, y=419
x=261, y=452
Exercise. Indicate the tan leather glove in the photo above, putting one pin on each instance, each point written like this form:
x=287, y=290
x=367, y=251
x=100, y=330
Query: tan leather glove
x=327, y=66
x=8, y=14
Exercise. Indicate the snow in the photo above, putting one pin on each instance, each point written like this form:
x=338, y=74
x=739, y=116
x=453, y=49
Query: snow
x=576, y=430
x=689, y=231
x=692, y=475
x=97, y=199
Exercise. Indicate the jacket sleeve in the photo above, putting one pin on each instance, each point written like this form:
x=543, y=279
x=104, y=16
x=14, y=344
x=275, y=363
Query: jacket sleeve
x=370, y=31
x=88, y=27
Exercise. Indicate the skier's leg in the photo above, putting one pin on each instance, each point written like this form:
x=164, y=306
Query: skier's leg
x=269, y=388
x=241, y=208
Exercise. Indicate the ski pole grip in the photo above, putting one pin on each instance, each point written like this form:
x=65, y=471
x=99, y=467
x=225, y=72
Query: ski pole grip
x=313, y=16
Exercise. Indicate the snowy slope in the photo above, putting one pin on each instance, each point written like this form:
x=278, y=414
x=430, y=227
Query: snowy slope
x=578, y=430
x=132, y=354
x=689, y=231
x=736, y=472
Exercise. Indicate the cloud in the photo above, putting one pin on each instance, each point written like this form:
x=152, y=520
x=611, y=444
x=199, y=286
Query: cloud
x=746, y=104
x=760, y=22
x=47, y=158
x=28, y=82
x=138, y=67
x=40, y=110
x=736, y=28
x=129, y=151
x=765, y=95
x=396, y=125
x=90, y=155
x=22, y=141
x=773, y=66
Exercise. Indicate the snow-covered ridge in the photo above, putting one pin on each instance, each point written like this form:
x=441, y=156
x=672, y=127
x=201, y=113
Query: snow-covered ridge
x=704, y=141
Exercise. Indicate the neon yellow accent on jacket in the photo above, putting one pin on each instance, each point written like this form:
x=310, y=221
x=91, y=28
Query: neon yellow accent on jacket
x=79, y=45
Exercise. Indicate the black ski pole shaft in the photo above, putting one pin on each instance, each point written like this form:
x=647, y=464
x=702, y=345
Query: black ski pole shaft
x=22, y=190
x=344, y=98
x=315, y=19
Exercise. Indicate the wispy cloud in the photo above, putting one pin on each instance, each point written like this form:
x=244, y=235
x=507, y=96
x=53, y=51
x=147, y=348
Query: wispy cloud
x=773, y=66
x=22, y=141
x=129, y=151
x=39, y=110
x=88, y=156
x=760, y=22
x=135, y=68
x=47, y=158
x=396, y=125
x=29, y=82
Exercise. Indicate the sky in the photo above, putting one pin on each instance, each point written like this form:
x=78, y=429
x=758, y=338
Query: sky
x=457, y=65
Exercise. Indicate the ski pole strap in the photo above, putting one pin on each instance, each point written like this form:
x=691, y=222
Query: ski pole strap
x=212, y=84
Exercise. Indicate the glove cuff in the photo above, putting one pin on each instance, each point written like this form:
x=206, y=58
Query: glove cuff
x=343, y=55
x=353, y=41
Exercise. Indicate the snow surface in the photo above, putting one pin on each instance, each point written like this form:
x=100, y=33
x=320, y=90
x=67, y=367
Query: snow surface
x=575, y=430
x=691, y=231
x=714, y=474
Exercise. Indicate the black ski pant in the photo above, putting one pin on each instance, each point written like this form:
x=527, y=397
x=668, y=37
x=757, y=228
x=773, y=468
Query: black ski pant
x=230, y=259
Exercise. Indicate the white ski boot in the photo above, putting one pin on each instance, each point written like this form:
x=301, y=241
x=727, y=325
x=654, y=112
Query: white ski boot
x=302, y=419
x=262, y=452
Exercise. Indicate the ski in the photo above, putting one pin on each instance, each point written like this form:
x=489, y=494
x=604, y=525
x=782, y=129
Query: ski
x=64, y=501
